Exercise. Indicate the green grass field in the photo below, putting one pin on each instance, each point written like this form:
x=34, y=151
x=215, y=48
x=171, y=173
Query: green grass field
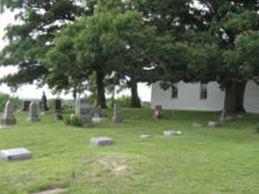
x=201, y=161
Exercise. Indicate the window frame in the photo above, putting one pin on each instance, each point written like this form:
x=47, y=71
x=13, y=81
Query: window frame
x=203, y=91
x=174, y=91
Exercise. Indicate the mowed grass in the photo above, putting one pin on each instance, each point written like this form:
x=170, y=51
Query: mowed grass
x=202, y=161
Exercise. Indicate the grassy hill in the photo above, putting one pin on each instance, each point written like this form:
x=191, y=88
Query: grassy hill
x=203, y=160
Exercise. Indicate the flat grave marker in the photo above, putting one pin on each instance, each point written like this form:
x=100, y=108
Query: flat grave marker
x=15, y=154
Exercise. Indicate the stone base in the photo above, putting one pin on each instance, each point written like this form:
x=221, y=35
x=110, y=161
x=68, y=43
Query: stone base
x=8, y=121
x=86, y=119
x=97, y=120
x=101, y=141
x=15, y=154
x=33, y=119
x=214, y=123
x=117, y=120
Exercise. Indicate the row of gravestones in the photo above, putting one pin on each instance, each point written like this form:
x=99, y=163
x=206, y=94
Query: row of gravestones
x=9, y=119
x=23, y=154
x=58, y=105
x=85, y=112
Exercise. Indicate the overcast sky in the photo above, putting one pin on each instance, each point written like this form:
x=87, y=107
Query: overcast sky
x=31, y=91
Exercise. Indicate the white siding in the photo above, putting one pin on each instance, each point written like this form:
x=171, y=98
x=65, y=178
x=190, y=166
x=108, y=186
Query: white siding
x=189, y=97
x=251, y=101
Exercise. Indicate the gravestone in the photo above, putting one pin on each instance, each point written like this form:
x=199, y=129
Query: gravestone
x=117, y=117
x=84, y=111
x=8, y=118
x=15, y=154
x=58, y=109
x=172, y=133
x=44, y=102
x=101, y=141
x=26, y=105
x=58, y=105
x=33, y=114
x=157, y=112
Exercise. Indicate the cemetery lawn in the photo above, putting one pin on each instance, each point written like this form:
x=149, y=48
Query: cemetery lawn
x=202, y=161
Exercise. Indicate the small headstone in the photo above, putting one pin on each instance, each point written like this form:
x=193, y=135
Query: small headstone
x=58, y=109
x=58, y=105
x=101, y=141
x=172, y=133
x=15, y=154
x=145, y=136
x=157, y=112
x=44, y=102
x=59, y=116
x=8, y=118
x=26, y=105
x=33, y=114
x=117, y=118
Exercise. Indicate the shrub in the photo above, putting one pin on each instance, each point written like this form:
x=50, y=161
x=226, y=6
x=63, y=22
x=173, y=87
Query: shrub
x=123, y=101
x=74, y=121
x=5, y=97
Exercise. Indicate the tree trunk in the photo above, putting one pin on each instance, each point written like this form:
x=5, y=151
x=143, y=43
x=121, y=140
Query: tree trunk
x=240, y=97
x=230, y=104
x=135, y=100
x=101, y=100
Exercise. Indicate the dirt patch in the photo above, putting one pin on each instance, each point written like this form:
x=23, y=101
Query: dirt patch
x=115, y=166
x=53, y=191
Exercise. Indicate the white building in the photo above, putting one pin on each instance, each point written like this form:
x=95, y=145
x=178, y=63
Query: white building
x=201, y=97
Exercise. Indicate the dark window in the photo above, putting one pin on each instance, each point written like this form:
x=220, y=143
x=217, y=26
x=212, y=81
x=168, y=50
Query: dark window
x=174, y=91
x=203, y=91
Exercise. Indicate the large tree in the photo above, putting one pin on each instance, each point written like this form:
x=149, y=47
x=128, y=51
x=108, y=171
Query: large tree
x=30, y=39
x=204, y=34
x=224, y=21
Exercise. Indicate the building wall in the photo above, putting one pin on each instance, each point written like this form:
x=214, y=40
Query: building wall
x=189, y=97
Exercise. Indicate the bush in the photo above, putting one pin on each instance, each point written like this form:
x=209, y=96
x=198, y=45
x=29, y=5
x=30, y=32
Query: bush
x=74, y=121
x=123, y=101
x=5, y=97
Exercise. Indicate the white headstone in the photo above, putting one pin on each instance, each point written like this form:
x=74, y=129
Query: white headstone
x=8, y=118
x=117, y=118
x=33, y=114
x=15, y=154
x=101, y=141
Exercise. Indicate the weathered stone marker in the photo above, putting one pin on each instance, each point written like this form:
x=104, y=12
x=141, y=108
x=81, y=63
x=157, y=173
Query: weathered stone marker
x=84, y=111
x=44, y=102
x=8, y=118
x=58, y=109
x=15, y=154
x=101, y=141
x=172, y=133
x=117, y=117
x=33, y=114
x=26, y=105
x=157, y=112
